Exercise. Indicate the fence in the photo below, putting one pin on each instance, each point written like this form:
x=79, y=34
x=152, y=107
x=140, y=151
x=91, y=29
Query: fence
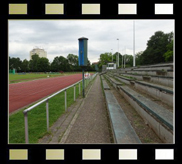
x=12, y=71
x=25, y=112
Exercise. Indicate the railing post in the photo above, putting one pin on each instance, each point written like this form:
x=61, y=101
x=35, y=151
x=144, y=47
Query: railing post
x=74, y=93
x=65, y=95
x=26, y=127
x=47, y=113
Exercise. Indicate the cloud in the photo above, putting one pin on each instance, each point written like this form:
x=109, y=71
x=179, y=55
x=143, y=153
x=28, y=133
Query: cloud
x=60, y=37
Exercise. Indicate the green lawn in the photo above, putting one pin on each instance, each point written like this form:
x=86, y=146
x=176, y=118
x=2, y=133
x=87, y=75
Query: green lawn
x=14, y=78
x=37, y=118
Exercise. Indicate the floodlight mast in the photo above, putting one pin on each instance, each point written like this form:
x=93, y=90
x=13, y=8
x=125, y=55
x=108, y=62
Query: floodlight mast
x=118, y=53
x=133, y=43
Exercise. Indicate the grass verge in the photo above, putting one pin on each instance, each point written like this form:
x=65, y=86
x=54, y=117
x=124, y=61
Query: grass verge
x=37, y=118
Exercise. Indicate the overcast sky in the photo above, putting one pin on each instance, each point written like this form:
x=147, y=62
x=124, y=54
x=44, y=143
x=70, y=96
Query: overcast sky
x=60, y=37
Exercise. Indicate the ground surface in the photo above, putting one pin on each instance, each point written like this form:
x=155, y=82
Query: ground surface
x=25, y=93
x=92, y=124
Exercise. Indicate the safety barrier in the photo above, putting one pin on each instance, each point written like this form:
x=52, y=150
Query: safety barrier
x=25, y=112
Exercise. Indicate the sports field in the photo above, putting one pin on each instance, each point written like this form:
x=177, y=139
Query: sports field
x=19, y=77
x=24, y=93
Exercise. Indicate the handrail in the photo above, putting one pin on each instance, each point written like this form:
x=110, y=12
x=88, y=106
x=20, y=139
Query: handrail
x=37, y=104
x=25, y=112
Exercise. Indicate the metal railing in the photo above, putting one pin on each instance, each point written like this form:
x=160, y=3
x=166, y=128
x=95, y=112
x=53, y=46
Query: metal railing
x=25, y=112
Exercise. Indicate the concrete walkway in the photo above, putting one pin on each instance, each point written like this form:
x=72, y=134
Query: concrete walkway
x=91, y=125
x=85, y=122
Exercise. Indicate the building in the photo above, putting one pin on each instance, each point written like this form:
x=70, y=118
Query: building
x=111, y=66
x=39, y=51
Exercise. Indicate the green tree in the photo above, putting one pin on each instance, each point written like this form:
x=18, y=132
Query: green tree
x=15, y=63
x=60, y=64
x=43, y=65
x=156, y=48
x=25, y=65
x=105, y=58
x=34, y=62
x=115, y=58
x=169, y=54
x=138, y=57
x=73, y=62
x=72, y=59
x=128, y=60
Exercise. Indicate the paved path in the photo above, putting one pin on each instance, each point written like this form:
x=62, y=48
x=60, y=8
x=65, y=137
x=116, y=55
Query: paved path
x=85, y=121
x=91, y=125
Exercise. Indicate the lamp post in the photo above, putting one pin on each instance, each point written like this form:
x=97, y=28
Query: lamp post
x=133, y=43
x=118, y=52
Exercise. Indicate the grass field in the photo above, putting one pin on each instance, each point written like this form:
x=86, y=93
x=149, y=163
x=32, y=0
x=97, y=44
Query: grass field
x=37, y=118
x=14, y=78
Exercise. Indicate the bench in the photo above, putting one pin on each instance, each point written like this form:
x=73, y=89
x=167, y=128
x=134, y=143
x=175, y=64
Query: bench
x=122, y=130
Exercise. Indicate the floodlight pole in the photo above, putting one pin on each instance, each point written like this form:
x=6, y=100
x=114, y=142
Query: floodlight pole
x=133, y=43
x=118, y=53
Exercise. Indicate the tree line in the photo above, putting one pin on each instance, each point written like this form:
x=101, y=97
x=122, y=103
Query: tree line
x=159, y=50
x=41, y=64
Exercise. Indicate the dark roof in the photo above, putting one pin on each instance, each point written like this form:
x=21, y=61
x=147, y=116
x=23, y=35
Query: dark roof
x=82, y=38
x=95, y=63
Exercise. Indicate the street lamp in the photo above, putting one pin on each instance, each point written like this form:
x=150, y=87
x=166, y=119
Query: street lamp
x=118, y=52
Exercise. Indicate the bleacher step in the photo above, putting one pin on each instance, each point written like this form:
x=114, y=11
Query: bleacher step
x=162, y=80
x=160, y=119
x=164, y=93
x=121, y=127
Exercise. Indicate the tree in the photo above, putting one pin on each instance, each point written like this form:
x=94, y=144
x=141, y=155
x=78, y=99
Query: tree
x=156, y=48
x=43, y=65
x=25, y=65
x=72, y=59
x=60, y=64
x=15, y=63
x=34, y=62
x=73, y=62
x=128, y=60
x=105, y=58
x=115, y=58
x=169, y=54
x=138, y=57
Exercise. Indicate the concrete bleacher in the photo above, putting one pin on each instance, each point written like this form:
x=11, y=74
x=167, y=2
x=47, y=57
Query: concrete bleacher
x=163, y=80
x=162, y=92
x=155, y=70
x=160, y=87
x=159, y=119
x=122, y=130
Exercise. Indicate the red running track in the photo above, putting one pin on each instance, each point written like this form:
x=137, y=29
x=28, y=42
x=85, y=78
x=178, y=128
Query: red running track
x=25, y=93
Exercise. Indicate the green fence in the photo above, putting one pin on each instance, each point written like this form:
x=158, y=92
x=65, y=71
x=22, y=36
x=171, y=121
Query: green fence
x=12, y=71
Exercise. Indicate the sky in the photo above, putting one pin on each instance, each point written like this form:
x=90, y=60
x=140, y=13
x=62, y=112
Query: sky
x=60, y=37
